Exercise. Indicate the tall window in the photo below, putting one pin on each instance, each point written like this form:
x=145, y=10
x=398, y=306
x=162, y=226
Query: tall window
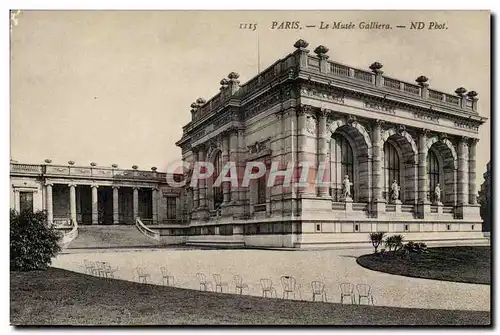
x=217, y=190
x=342, y=160
x=432, y=173
x=171, y=208
x=26, y=201
x=391, y=169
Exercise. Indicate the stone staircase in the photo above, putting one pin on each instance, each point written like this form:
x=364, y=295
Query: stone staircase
x=110, y=237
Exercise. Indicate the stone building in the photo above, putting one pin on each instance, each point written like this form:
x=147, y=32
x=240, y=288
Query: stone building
x=408, y=150
x=91, y=195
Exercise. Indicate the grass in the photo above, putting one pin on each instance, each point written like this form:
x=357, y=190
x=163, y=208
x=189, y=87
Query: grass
x=458, y=264
x=60, y=297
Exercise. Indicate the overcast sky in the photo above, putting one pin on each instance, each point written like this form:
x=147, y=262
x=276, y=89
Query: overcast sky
x=115, y=86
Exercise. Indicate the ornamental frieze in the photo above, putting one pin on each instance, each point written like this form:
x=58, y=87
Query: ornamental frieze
x=381, y=107
x=426, y=116
x=258, y=147
x=267, y=100
x=323, y=94
x=466, y=125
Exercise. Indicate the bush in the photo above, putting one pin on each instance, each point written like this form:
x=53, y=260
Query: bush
x=394, y=242
x=376, y=239
x=413, y=247
x=33, y=242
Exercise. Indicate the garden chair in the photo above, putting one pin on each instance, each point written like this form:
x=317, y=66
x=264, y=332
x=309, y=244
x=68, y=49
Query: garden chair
x=100, y=269
x=167, y=279
x=267, y=287
x=239, y=285
x=219, y=284
x=290, y=286
x=318, y=288
x=364, y=291
x=347, y=290
x=108, y=271
x=89, y=266
x=142, y=275
x=204, y=284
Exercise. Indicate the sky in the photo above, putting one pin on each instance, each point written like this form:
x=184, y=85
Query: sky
x=114, y=87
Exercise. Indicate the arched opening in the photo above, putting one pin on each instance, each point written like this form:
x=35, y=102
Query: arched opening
x=399, y=163
x=433, y=174
x=392, y=171
x=217, y=194
x=342, y=164
x=441, y=170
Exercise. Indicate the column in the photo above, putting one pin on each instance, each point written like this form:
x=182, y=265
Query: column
x=322, y=154
x=154, y=197
x=116, y=213
x=95, y=209
x=463, y=172
x=301, y=146
x=424, y=207
x=48, y=203
x=135, y=203
x=472, y=172
x=202, y=182
x=225, y=158
x=196, y=190
x=72, y=202
x=422, y=167
x=17, y=200
x=233, y=157
x=378, y=199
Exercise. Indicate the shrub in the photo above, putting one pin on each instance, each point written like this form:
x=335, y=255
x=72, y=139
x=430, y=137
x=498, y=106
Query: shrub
x=33, y=242
x=413, y=247
x=376, y=239
x=398, y=242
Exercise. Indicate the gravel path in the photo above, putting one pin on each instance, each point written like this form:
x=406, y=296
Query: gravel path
x=330, y=266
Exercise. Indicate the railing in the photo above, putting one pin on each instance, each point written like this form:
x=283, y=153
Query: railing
x=412, y=89
x=339, y=70
x=435, y=95
x=363, y=76
x=451, y=99
x=79, y=171
x=392, y=83
x=146, y=231
x=68, y=237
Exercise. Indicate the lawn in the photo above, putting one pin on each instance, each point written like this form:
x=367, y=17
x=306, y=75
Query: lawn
x=458, y=264
x=60, y=297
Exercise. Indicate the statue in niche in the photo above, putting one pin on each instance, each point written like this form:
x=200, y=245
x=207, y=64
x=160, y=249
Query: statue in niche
x=347, y=187
x=395, y=190
x=437, y=193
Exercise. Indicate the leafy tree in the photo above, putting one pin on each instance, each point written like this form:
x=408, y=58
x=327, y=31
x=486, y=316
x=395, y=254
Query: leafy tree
x=376, y=239
x=33, y=241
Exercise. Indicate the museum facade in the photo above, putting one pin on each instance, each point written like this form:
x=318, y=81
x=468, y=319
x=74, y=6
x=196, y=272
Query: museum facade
x=407, y=151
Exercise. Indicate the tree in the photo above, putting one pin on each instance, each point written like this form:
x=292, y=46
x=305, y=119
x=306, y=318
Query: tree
x=376, y=239
x=33, y=241
x=398, y=242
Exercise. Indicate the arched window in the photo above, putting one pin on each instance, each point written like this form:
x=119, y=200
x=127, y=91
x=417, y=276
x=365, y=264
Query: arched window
x=342, y=162
x=217, y=190
x=432, y=173
x=391, y=169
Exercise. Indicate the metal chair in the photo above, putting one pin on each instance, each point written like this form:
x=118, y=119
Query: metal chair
x=267, y=287
x=364, y=291
x=108, y=272
x=167, y=279
x=204, y=284
x=318, y=288
x=347, y=290
x=219, y=284
x=239, y=285
x=89, y=266
x=99, y=269
x=290, y=285
x=142, y=275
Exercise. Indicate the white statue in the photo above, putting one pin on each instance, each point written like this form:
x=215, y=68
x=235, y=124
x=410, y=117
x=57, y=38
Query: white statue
x=437, y=193
x=347, y=187
x=395, y=190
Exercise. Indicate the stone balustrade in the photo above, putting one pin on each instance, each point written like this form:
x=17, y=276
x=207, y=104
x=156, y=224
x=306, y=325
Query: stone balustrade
x=79, y=171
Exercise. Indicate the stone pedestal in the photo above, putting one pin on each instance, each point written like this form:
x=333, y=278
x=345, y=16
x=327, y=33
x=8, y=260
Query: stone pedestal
x=348, y=206
x=398, y=203
x=379, y=208
x=468, y=212
x=439, y=205
x=423, y=209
